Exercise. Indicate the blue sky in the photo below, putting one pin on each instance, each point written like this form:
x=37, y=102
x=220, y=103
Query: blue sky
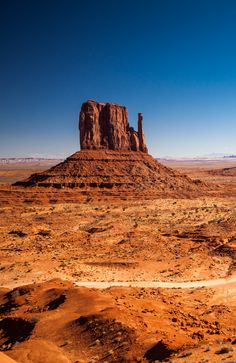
x=172, y=60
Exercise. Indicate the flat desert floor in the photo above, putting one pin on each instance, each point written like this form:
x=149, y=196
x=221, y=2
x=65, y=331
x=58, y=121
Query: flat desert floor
x=115, y=277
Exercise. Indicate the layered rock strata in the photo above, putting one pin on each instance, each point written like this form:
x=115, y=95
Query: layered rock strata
x=114, y=170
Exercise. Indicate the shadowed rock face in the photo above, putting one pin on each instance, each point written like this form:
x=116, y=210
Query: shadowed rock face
x=106, y=126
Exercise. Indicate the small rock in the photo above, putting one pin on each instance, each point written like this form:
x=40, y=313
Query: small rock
x=224, y=350
x=186, y=354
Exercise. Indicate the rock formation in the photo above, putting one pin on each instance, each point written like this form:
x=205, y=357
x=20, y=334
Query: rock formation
x=121, y=171
x=113, y=156
x=142, y=144
x=106, y=126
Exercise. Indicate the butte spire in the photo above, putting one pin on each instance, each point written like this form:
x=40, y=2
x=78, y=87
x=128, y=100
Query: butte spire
x=106, y=126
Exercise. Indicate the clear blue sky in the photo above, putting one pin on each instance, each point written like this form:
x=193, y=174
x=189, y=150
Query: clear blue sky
x=173, y=60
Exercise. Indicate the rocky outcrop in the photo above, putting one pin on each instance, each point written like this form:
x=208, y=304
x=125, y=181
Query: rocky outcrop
x=113, y=156
x=119, y=171
x=106, y=126
x=142, y=144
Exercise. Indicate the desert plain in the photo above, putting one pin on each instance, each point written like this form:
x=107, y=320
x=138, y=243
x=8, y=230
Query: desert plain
x=110, y=276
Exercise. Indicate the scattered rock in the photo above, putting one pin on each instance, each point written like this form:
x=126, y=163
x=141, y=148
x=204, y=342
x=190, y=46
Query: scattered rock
x=224, y=350
x=18, y=233
x=185, y=354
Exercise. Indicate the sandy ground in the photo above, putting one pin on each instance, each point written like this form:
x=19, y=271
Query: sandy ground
x=116, y=241
x=5, y=359
x=154, y=278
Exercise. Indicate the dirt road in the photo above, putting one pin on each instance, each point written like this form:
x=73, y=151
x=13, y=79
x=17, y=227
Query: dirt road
x=157, y=284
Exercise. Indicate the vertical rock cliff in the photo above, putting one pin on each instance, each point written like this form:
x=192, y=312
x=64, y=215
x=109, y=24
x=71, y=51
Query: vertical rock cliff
x=106, y=126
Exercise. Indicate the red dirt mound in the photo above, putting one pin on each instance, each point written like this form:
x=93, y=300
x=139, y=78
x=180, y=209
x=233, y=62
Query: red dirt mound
x=114, y=170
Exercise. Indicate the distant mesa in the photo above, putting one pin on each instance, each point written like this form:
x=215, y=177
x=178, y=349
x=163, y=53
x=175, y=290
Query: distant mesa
x=113, y=156
x=224, y=172
x=105, y=126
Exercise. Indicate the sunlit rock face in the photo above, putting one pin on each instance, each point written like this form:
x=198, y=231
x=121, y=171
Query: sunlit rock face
x=106, y=126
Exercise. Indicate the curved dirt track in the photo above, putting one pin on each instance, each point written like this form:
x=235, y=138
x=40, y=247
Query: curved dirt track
x=157, y=284
x=5, y=359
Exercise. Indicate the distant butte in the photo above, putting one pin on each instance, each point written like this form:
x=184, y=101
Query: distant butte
x=113, y=156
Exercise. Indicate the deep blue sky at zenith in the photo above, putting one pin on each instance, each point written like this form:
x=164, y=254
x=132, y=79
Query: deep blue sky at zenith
x=172, y=60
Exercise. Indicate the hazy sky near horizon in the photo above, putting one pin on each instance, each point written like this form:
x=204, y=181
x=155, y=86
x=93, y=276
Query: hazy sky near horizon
x=172, y=60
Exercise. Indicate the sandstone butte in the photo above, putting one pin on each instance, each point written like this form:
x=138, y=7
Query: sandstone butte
x=105, y=126
x=113, y=156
